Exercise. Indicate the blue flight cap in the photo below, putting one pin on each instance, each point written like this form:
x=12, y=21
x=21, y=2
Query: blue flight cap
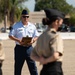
x=25, y=12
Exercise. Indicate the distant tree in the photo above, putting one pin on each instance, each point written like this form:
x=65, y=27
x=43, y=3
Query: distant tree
x=72, y=19
x=14, y=7
x=11, y=9
x=61, y=5
x=1, y=9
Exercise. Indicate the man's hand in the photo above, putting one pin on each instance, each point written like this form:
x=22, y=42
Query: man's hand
x=30, y=43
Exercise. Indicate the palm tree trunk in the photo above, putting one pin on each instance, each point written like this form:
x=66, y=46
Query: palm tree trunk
x=5, y=15
x=5, y=22
x=12, y=12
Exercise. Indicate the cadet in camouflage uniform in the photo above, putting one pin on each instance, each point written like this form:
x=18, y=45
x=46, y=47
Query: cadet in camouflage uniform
x=49, y=46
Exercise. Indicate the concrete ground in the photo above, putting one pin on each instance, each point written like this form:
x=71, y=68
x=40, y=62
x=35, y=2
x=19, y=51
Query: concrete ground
x=68, y=59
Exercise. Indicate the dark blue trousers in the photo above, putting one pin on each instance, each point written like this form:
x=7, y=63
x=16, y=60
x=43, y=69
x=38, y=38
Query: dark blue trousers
x=20, y=55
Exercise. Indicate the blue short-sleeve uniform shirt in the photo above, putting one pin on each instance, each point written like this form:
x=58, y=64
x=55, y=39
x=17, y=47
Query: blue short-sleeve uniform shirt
x=19, y=30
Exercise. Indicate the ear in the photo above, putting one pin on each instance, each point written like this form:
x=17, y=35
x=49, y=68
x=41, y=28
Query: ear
x=57, y=21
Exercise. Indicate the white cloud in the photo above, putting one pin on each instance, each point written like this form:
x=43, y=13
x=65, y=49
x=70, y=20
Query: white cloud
x=71, y=2
x=30, y=4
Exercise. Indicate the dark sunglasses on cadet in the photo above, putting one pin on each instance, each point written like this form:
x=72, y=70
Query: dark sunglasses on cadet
x=25, y=16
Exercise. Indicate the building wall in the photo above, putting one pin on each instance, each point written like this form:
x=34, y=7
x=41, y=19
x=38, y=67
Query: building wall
x=36, y=17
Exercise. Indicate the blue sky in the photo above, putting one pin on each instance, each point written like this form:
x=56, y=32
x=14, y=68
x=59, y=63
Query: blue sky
x=31, y=3
x=72, y=2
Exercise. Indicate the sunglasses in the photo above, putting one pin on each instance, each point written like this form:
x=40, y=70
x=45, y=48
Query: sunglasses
x=25, y=16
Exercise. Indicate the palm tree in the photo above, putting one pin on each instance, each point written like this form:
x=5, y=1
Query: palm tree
x=9, y=8
x=14, y=7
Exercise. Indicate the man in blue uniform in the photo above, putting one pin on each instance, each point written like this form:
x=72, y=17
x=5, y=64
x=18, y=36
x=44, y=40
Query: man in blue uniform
x=19, y=30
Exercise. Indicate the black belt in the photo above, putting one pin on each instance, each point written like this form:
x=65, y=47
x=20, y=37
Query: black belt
x=23, y=46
